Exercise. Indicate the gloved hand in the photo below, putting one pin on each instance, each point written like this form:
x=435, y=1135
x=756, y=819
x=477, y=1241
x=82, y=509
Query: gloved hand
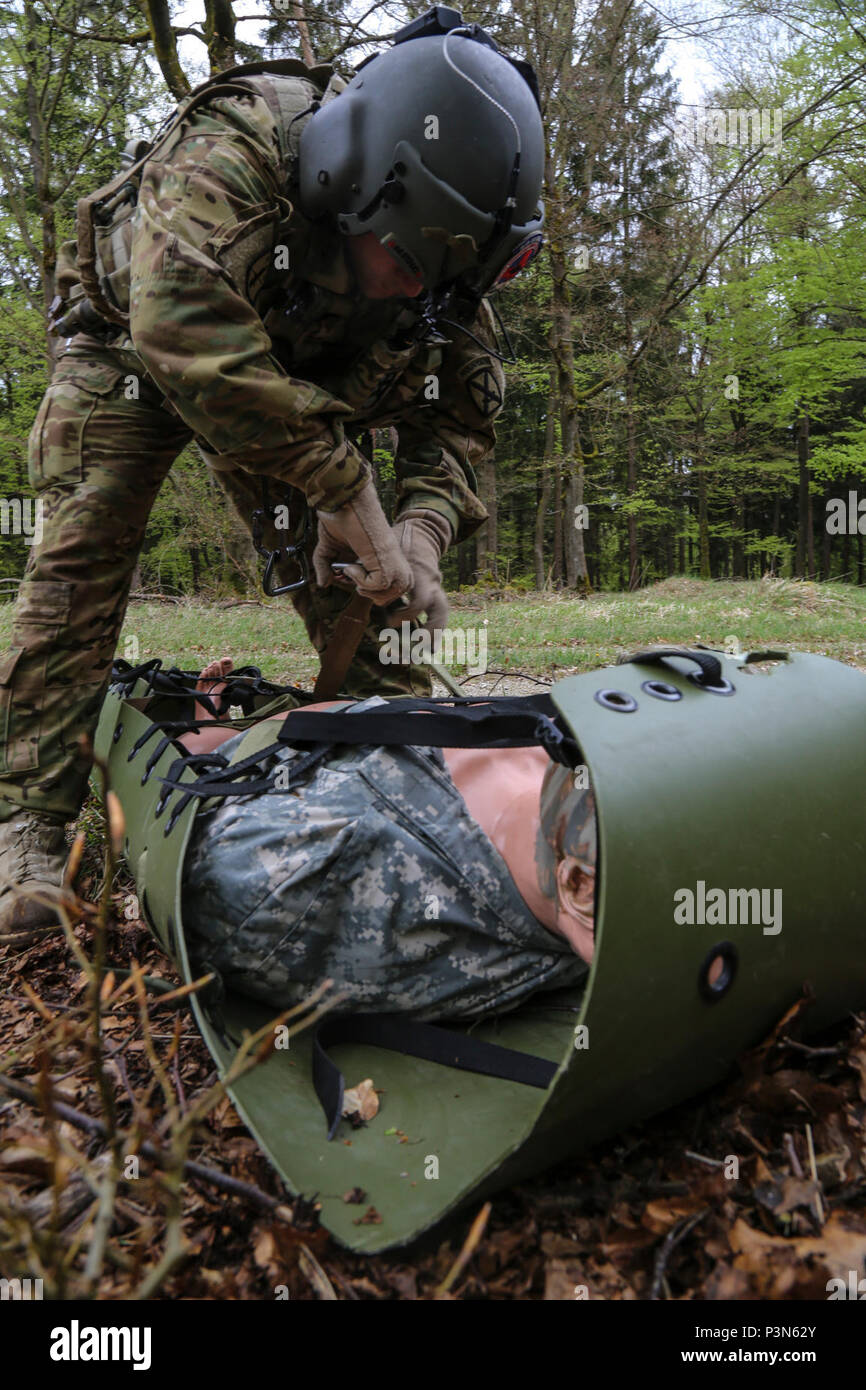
x=424, y=537
x=359, y=533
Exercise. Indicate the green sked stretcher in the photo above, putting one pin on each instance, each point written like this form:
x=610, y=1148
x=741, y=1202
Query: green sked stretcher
x=750, y=778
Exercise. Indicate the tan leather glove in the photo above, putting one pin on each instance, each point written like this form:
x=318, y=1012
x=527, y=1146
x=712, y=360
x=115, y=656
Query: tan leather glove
x=358, y=536
x=424, y=537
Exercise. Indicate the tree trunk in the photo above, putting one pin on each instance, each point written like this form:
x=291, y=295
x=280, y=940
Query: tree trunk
x=570, y=533
x=826, y=557
x=572, y=457
x=158, y=19
x=845, y=558
x=631, y=460
x=805, y=532
x=777, y=523
x=488, y=536
x=219, y=28
x=738, y=554
x=544, y=499
x=40, y=164
x=303, y=33
x=703, y=523
x=558, y=571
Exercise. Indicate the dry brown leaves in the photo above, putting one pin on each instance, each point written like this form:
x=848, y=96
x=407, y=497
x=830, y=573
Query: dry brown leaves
x=650, y=1214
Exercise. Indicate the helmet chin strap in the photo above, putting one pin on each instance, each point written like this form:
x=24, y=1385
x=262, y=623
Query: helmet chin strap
x=430, y=310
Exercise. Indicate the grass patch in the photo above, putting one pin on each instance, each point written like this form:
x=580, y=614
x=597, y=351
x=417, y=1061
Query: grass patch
x=546, y=635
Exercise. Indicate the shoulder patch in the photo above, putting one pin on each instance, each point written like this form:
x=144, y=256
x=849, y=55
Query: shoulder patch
x=485, y=389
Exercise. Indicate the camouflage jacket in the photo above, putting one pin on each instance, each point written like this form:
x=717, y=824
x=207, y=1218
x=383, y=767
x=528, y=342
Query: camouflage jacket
x=248, y=318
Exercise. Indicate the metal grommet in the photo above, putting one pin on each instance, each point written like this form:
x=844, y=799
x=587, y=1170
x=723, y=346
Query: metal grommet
x=660, y=690
x=712, y=992
x=723, y=688
x=618, y=700
x=118, y=730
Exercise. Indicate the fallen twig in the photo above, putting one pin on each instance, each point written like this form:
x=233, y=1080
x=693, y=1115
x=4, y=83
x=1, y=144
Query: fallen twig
x=673, y=1238
x=796, y=1166
x=470, y=1245
x=153, y=598
x=315, y=1275
x=192, y=1168
x=813, y=1168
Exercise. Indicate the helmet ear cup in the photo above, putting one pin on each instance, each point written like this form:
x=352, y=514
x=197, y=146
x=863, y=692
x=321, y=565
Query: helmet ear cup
x=333, y=159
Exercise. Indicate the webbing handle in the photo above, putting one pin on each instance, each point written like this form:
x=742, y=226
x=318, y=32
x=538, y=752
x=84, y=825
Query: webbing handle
x=710, y=666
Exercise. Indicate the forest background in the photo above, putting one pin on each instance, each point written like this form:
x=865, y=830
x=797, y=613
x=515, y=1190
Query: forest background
x=687, y=396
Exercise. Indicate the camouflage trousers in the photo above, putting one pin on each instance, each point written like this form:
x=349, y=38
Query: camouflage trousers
x=371, y=873
x=97, y=460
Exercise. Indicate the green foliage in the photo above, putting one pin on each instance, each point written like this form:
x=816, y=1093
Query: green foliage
x=711, y=416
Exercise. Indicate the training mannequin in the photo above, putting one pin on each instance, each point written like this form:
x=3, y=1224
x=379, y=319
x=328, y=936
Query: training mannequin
x=477, y=814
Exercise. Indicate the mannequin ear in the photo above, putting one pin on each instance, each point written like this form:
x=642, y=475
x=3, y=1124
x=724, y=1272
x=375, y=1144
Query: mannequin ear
x=576, y=890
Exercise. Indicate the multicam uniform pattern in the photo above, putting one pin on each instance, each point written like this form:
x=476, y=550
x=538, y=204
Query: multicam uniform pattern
x=373, y=874
x=270, y=369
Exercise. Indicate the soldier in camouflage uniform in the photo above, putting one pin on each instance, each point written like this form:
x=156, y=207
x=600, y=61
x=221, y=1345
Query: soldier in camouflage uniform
x=252, y=296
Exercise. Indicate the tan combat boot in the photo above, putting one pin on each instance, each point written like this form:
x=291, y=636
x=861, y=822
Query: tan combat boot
x=33, y=855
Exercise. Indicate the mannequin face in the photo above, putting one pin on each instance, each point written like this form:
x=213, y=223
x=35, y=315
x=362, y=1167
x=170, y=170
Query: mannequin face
x=379, y=274
x=575, y=902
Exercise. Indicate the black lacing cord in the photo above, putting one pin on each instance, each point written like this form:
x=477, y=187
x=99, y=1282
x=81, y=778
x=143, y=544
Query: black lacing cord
x=171, y=729
x=241, y=685
x=224, y=779
x=215, y=761
x=220, y=778
x=157, y=754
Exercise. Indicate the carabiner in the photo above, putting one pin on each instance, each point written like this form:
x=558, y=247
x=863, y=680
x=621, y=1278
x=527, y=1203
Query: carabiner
x=288, y=552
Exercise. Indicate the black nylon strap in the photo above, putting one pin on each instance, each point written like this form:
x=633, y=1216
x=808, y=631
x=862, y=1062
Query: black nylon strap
x=511, y=722
x=710, y=666
x=425, y=1040
x=524, y=721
